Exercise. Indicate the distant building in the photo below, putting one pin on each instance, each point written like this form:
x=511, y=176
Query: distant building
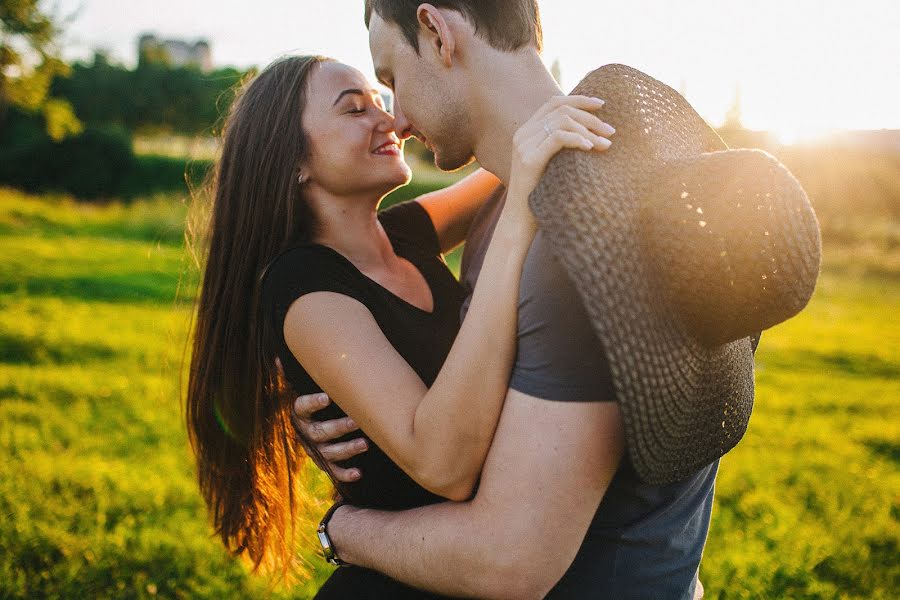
x=734, y=116
x=556, y=71
x=175, y=52
x=388, y=99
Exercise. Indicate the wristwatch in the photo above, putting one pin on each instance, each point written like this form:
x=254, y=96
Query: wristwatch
x=327, y=547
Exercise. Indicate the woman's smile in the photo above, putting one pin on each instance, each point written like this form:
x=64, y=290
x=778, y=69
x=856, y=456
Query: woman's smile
x=389, y=148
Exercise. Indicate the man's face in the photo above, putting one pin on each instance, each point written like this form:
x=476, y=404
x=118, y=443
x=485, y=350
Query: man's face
x=429, y=104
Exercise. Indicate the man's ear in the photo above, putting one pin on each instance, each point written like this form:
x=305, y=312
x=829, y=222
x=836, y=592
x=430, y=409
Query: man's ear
x=435, y=30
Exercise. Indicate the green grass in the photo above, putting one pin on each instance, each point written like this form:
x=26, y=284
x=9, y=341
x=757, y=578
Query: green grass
x=807, y=504
x=97, y=492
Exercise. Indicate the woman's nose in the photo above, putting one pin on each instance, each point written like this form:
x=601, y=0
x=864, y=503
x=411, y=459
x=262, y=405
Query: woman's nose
x=389, y=123
x=386, y=121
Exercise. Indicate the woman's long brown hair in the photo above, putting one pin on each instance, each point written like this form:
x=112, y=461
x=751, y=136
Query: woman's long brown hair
x=238, y=418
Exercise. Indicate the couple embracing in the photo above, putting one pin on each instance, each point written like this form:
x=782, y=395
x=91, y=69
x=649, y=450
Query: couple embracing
x=551, y=424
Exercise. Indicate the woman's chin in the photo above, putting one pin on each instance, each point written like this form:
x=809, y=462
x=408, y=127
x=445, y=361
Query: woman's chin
x=407, y=174
x=395, y=184
x=400, y=174
x=385, y=178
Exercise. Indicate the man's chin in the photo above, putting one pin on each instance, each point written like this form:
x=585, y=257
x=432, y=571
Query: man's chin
x=450, y=162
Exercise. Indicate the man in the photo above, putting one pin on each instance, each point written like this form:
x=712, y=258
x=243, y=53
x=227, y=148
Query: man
x=558, y=512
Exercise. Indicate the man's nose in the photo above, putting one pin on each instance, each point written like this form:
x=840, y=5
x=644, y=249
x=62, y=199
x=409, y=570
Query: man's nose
x=402, y=125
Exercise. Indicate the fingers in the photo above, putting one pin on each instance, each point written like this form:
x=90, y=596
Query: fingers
x=321, y=432
x=549, y=116
x=587, y=103
x=568, y=113
x=565, y=124
x=589, y=121
x=581, y=112
x=344, y=475
x=333, y=453
x=577, y=108
x=543, y=147
x=597, y=139
x=343, y=450
x=571, y=125
x=306, y=406
x=572, y=118
x=560, y=139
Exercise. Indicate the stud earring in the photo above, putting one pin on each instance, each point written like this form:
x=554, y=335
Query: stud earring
x=301, y=179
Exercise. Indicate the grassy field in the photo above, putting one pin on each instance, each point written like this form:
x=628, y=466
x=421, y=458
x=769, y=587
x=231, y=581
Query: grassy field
x=97, y=495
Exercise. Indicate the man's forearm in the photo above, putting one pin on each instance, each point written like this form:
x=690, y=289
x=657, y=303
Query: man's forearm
x=445, y=548
x=523, y=529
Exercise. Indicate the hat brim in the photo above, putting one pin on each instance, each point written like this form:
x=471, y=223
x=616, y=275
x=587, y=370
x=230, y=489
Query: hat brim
x=683, y=404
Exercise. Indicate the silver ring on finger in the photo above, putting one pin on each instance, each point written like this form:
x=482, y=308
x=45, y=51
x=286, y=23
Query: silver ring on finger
x=547, y=128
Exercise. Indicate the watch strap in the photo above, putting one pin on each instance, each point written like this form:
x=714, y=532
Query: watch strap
x=328, y=549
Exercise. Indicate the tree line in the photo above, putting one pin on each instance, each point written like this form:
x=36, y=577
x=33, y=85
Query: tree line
x=69, y=127
x=155, y=97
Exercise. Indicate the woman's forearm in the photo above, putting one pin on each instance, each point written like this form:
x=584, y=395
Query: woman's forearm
x=453, y=208
x=455, y=421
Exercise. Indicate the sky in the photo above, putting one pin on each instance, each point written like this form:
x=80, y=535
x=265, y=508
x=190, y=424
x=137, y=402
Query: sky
x=803, y=67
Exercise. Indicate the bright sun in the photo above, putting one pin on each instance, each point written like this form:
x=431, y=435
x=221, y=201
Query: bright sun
x=800, y=135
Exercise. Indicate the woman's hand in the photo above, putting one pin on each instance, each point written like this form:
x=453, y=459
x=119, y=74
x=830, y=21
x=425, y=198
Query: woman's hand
x=563, y=122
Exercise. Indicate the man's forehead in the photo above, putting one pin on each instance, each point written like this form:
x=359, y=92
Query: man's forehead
x=375, y=36
x=382, y=40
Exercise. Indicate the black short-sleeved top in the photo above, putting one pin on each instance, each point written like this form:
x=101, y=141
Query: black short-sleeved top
x=423, y=339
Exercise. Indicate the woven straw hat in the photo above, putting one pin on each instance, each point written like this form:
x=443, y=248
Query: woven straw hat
x=682, y=250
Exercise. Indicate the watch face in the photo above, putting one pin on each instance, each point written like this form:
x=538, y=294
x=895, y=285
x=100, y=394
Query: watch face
x=323, y=539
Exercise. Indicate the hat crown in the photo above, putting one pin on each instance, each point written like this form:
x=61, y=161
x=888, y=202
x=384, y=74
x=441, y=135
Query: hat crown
x=650, y=271
x=721, y=234
x=718, y=227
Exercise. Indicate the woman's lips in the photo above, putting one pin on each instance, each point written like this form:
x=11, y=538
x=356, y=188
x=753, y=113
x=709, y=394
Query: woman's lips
x=388, y=149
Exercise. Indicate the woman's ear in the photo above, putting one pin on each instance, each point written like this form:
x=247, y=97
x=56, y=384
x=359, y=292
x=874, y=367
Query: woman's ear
x=303, y=174
x=435, y=30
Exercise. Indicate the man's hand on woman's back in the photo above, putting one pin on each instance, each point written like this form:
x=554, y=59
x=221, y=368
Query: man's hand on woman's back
x=323, y=433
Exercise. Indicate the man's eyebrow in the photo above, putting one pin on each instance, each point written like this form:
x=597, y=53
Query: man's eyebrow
x=382, y=76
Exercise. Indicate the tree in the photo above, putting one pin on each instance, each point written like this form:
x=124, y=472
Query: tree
x=29, y=62
x=153, y=98
x=734, y=116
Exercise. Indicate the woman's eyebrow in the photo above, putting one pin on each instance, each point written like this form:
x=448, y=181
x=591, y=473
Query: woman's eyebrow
x=355, y=92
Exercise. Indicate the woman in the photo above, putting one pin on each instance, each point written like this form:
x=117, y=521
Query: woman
x=301, y=268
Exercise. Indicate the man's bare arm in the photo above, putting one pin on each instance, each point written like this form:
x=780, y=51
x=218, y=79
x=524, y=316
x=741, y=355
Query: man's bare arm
x=545, y=475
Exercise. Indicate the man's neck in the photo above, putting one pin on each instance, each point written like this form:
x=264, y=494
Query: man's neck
x=513, y=88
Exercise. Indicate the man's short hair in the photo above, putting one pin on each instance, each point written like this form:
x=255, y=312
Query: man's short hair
x=506, y=24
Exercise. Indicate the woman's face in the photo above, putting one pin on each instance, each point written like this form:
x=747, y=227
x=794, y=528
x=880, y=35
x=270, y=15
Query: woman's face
x=354, y=149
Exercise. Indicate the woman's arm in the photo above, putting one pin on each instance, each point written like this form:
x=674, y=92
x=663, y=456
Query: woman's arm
x=440, y=436
x=453, y=208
